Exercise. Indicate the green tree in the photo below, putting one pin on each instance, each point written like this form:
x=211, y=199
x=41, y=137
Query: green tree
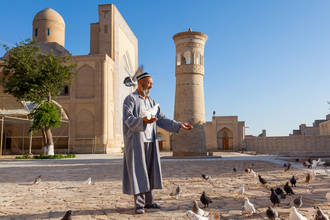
x=32, y=76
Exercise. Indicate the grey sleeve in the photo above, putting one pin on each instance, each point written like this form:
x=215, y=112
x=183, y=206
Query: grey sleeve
x=166, y=123
x=133, y=123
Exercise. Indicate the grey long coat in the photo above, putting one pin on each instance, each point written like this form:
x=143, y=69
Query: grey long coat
x=135, y=175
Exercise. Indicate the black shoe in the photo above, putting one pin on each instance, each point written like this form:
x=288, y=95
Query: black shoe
x=152, y=206
x=139, y=211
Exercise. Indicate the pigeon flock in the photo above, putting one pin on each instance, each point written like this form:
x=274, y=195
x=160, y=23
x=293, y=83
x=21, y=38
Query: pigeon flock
x=277, y=195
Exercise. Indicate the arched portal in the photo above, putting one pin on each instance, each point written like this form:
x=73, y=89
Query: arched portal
x=225, y=139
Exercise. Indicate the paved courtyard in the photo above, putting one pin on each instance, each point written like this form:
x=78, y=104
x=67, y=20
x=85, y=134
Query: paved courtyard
x=64, y=186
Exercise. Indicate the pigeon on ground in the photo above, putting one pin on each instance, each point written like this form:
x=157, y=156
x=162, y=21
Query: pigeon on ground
x=205, y=200
x=320, y=214
x=271, y=213
x=234, y=170
x=248, y=207
x=308, y=178
x=308, y=163
x=295, y=215
x=287, y=167
x=293, y=181
x=327, y=196
x=247, y=170
x=253, y=173
x=194, y=216
x=37, y=180
x=198, y=210
x=89, y=181
x=280, y=192
x=274, y=198
x=205, y=177
x=262, y=180
x=176, y=192
x=241, y=190
x=67, y=215
x=297, y=202
x=288, y=189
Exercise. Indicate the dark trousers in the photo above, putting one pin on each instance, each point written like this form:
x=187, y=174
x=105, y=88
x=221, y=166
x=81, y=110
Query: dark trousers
x=145, y=198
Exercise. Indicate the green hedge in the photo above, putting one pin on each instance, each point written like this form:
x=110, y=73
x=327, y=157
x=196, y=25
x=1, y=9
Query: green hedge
x=43, y=156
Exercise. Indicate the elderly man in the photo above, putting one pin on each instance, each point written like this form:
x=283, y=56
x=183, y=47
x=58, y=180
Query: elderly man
x=142, y=171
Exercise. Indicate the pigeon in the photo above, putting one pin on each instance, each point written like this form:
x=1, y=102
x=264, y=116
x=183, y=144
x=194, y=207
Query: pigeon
x=262, y=180
x=327, y=196
x=194, y=216
x=234, y=170
x=297, y=202
x=280, y=193
x=316, y=163
x=308, y=163
x=308, y=178
x=205, y=177
x=271, y=213
x=288, y=189
x=241, y=190
x=131, y=79
x=253, y=173
x=37, y=180
x=293, y=181
x=89, y=181
x=248, y=206
x=67, y=215
x=287, y=167
x=247, y=170
x=320, y=214
x=205, y=200
x=176, y=192
x=198, y=210
x=295, y=215
x=274, y=198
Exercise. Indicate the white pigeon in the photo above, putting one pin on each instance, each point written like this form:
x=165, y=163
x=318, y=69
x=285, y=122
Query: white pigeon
x=150, y=113
x=253, y=173
x=198, y=210
x=89, y=181
x=241, y=190
x=327, y=196
x=176, y=192
x=295, y=215
x=194, y=216
x=320, y=214
x=316, y=163
x=248, y=206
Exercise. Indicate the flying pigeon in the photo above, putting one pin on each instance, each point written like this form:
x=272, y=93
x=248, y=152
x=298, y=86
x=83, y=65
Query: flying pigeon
x=271, y=213
x=194, y=216
x=274, y=198
x=131, y=79
x=295, y=215
x=37, y=180
x=198, y=210
x=320, y=214
x=205, y=200
x=262, y=180
x=176, y=192
x=248, y=206
x=293, y=181
x=67, y=215
x=288, y=189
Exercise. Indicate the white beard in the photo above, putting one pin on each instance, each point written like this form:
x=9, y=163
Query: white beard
x=145, y=91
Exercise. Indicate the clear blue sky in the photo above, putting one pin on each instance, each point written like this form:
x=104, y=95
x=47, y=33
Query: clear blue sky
x=266, y=61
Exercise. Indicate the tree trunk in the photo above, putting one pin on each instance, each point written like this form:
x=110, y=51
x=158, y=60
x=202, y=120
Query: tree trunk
x=49, y=148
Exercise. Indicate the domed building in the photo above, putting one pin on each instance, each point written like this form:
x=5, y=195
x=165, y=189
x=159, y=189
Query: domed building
x=94, y=101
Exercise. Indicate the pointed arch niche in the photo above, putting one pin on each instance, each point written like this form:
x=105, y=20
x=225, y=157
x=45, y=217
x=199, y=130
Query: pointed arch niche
x=225, y=139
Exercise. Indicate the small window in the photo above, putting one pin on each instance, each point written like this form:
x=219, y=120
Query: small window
x=48, y=32
x=105, y=14
x=105, y=28
x=65, y=91
x=178, y=60
x=36, y=32
x=197, y=58
x=187, y=56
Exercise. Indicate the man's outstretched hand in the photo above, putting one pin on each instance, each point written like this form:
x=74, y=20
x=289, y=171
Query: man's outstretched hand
x=149, y=121
x=186, y=126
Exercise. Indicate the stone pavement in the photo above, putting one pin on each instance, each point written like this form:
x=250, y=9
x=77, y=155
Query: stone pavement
x=64, y=187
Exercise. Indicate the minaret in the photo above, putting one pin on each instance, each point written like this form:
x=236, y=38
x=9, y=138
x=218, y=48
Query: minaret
x=189, y=93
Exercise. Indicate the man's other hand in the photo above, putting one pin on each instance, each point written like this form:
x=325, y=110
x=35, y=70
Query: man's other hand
x=149, y=121
x=186, y=126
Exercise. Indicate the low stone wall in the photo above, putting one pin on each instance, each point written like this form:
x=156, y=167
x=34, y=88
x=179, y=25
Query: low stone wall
x=290, y=145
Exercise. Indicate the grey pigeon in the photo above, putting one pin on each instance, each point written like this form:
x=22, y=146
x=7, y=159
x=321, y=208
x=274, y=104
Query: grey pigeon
x=288, y=189
x=271, y=213
x=320, y=214
x=67, y=215
x=205, y=200
x=205, y=177
x=274, y=198
x=37, y=180
x=287, y=167
x=262, y=180
x=280, y=192
x=297, y=202
x=293, y=181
